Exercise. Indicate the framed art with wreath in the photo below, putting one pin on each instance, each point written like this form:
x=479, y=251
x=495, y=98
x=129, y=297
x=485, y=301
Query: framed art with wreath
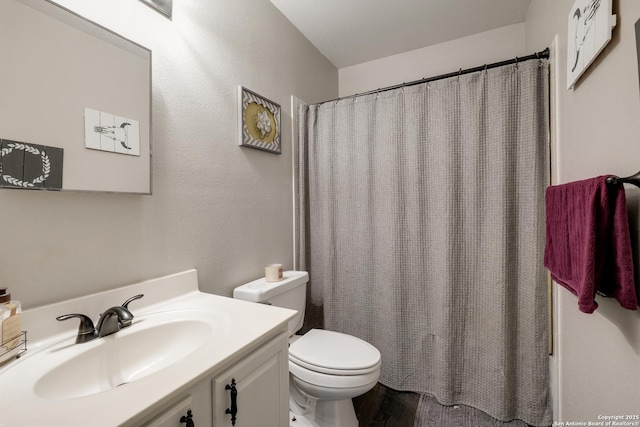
x=30, y=166
x=258, y=122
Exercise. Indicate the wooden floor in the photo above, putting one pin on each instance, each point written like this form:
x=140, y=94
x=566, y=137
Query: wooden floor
x=386, y=407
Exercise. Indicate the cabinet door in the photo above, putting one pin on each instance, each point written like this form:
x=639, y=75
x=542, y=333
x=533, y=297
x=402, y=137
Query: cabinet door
x=261, y=385
x=198, y=400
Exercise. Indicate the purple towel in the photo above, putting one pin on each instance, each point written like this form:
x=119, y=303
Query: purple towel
x=588, y=246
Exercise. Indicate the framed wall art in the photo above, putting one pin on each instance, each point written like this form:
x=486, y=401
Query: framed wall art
x=163, y=6
x=638, y=44
x=30, y=166
x=590, y=26
x=258, y=122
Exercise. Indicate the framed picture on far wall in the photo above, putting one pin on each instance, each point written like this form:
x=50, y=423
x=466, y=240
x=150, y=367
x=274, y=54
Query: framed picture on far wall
x=163, y=6
x=258, y=122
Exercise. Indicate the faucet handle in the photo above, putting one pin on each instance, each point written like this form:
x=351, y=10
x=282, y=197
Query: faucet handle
x=86, y=330
x=133, y=298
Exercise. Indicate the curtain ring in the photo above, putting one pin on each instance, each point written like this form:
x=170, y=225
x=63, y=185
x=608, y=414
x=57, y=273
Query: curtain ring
x=403, y=83
x=485, y=68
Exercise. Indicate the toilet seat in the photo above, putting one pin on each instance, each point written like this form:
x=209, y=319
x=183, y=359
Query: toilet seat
x=331, y=381
x=330, y=371
x=334, y=353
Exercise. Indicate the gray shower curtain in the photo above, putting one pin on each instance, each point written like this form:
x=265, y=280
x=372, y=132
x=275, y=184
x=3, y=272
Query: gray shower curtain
x=423, y=231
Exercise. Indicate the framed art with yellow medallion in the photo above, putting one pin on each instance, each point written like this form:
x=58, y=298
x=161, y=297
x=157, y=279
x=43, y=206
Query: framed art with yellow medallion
x=259, y=122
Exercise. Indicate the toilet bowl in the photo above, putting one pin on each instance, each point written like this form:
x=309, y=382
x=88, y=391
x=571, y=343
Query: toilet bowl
x=326, y=368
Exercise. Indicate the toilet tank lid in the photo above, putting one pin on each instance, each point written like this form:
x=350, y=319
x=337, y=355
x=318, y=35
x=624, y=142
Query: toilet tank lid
x=260, y=290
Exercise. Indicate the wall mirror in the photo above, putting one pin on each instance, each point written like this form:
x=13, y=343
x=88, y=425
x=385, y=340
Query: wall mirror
x=75, y=103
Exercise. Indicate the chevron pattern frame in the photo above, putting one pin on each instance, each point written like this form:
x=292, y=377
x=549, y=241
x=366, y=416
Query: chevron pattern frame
x=258, y=122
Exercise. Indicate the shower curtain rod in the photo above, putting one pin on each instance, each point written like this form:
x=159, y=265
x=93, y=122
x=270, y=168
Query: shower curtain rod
x=544, y=54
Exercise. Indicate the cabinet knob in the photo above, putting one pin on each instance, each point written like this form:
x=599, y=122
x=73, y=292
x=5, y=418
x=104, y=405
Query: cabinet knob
x=234, y=401
x=188, y=419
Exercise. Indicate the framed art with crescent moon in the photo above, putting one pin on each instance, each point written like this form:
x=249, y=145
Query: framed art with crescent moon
x=589, y=29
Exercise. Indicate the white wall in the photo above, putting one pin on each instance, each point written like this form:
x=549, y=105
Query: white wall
x=491, y=46
x=220, y=208
x=596, y=129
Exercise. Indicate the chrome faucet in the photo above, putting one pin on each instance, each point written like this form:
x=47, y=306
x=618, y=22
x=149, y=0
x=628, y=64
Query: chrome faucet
x=110, y=322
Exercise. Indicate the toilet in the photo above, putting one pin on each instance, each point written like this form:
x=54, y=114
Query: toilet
x=326, y=369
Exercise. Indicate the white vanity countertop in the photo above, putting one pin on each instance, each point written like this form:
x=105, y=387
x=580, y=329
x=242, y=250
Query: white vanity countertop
x=244, y=327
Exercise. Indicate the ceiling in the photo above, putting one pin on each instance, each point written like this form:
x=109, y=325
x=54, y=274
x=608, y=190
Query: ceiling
x=350, y=32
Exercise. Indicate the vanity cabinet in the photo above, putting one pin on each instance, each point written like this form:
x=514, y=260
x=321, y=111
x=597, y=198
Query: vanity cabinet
x=252, y=392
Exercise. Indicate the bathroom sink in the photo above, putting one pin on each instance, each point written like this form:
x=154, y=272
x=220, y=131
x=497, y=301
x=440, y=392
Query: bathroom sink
x=152, y=343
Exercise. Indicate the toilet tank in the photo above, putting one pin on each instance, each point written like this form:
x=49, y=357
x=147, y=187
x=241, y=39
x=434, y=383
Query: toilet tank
x=290, y=292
